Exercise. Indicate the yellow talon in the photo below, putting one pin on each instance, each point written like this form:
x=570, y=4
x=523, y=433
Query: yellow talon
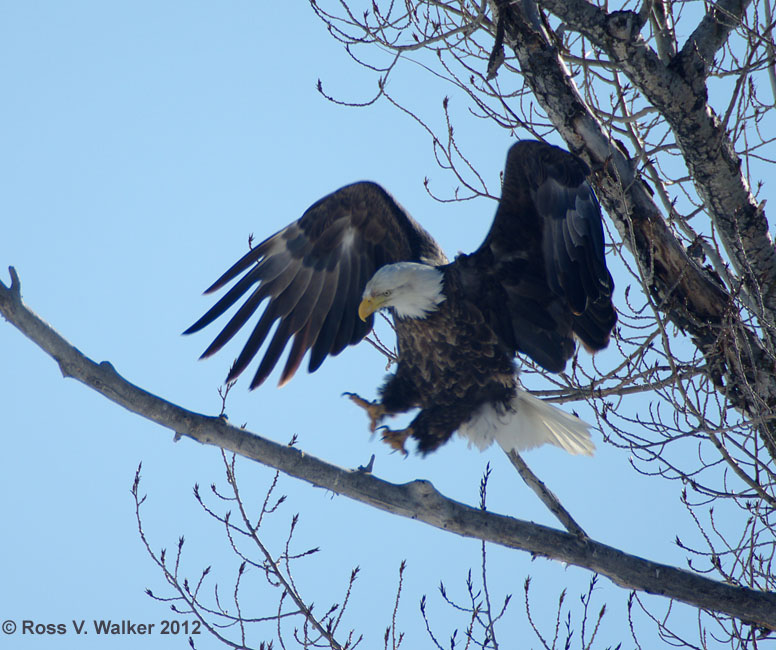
x=396, y=439
x=374, y=410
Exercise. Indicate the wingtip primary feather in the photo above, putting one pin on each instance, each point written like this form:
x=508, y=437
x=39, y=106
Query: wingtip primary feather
x=247, y=260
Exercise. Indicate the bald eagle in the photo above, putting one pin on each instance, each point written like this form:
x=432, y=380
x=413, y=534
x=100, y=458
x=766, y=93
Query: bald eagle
x=538, y=282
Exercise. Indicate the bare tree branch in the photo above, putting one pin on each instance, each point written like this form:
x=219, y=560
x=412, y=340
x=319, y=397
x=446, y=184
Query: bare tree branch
x=679, y=92
x=416, y=500
x=712, y=33
x=693, y=299
x=546, y=496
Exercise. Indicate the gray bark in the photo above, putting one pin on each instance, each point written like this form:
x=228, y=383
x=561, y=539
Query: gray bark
x=416, y=500
x=742, y=365
x=678, y=90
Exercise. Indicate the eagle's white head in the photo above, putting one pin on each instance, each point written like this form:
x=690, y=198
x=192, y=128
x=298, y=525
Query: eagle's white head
x=413, y=290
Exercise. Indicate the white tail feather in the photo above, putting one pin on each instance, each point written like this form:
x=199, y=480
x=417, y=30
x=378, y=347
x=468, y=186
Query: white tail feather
x=526, y=423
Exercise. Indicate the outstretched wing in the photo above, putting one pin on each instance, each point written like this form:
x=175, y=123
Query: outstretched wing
x=313, y=273
x=543, y=259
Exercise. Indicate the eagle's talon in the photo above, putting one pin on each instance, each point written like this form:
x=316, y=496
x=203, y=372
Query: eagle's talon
x=374, y=410
x=396, y=439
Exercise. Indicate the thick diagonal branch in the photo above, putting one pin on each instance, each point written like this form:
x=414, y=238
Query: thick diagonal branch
x=678, y=90
x=416, y=500
x=742, y=367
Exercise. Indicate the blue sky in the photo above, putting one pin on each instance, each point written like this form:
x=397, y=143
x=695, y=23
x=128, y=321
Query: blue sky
x=140, y=144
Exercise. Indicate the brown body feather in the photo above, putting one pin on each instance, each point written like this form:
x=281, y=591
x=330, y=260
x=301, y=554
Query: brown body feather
x=450, y=364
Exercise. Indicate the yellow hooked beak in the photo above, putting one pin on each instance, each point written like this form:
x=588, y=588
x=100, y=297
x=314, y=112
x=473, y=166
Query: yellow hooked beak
x=369, y=306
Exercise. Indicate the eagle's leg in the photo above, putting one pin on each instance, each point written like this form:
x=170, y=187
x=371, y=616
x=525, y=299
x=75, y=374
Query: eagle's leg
x=397, y=395
x=434, y=426
x=396, y=439
x=375, y=410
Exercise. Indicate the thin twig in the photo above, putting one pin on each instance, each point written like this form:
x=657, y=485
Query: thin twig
x=546, y=496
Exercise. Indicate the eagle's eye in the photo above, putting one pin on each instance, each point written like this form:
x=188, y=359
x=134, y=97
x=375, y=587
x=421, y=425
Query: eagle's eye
x=386, y=293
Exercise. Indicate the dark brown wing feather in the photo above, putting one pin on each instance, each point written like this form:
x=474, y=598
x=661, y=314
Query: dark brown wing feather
x=540, y=274
x=313, y=273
